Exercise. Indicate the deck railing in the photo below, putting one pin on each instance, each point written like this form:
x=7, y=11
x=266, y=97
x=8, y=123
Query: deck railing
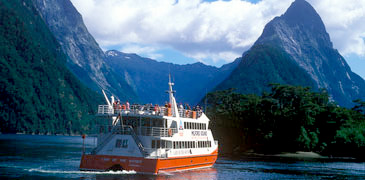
x=156, y=131
x=143, y=130
x=147, y=110
x=105, y=109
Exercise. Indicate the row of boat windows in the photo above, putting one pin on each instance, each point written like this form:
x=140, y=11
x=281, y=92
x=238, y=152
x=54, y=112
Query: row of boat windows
x=136, y=121
x=191, y=144
x=161, y=144
x=192, y=125
x=180, y=144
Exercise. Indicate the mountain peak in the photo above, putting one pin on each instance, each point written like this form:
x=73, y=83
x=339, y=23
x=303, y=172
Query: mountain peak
x=299, y=25
x=301, y=12
x=297, y=43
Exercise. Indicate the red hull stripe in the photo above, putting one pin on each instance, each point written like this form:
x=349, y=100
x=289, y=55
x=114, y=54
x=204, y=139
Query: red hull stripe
x=139, y=164
x=188, y=166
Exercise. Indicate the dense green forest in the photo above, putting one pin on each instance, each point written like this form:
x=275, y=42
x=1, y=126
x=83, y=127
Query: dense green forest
x=38, y=94
x=286, y=119
x=261, y=65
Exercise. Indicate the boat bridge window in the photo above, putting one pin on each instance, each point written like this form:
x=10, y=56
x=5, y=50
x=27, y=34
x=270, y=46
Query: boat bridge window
x=136, y=121
x=156, y=144
x=192, y=125
x=191, y=144
x=121, y=143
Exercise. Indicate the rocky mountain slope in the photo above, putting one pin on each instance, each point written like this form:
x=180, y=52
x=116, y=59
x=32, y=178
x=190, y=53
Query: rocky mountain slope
x=296, y=49
x=85, y=58
x=38, y=94
x=149, y=78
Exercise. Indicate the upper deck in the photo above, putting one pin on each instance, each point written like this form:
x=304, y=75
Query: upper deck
x=146, y=110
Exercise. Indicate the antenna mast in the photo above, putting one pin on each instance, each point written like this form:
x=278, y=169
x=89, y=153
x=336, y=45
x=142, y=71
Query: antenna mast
x=205, y=100
x=172, y=98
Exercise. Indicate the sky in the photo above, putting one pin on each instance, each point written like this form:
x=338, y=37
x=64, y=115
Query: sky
x=213, y=32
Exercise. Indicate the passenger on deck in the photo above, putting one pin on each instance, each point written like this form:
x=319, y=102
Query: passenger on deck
x=115, y=105
x=166, y=106
x=181, y=110
x=188, y=107
x=181, y=107
x=198, y=110
x=156, y=109
x=127, y=104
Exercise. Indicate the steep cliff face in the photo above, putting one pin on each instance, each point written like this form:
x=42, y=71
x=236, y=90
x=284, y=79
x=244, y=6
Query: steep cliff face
x=38, y=94
x=85, y=58
x=301, y=35
x=149, y=77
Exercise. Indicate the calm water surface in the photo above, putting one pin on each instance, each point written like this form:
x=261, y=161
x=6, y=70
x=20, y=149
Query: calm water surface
x=58, y=157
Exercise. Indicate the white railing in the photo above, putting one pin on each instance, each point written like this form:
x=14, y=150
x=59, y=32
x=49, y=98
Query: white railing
x=105, y=109
x=189, y=113
x=146, y=110
x=156, y=131
x=143, y=130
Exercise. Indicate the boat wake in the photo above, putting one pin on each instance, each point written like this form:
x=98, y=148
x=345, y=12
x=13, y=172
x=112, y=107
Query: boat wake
x=166, y=173
x=80, y=172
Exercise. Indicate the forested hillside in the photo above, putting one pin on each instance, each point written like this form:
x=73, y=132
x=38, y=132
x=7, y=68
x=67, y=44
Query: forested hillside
x=38, y=93
x=264, y=64
x=286, y=119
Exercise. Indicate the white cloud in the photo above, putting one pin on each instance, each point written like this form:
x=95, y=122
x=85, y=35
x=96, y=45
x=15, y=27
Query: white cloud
x=219, y=30
x=148, y=51
x=345, y=22
x=226, y=56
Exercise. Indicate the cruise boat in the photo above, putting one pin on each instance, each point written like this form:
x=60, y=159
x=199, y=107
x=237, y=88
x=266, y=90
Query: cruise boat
x=151, y=139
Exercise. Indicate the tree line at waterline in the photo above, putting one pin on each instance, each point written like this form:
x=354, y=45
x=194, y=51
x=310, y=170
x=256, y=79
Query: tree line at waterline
x=286, y=119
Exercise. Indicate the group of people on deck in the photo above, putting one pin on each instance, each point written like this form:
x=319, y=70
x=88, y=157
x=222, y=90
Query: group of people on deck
x=117, y=105
x=184, y=110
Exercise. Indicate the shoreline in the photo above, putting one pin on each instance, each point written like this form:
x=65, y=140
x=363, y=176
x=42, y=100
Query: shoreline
x=301, y=155
x=298, y=155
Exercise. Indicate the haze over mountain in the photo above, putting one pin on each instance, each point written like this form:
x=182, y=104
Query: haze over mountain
x=85, y=58
x=296, y=49
x=149, y=77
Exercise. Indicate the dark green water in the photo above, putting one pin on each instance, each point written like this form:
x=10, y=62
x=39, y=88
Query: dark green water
x=58, y=157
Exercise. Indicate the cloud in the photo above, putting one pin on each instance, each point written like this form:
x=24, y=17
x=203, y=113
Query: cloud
x=344, y=21
x=218, y=30
x=148, y=51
